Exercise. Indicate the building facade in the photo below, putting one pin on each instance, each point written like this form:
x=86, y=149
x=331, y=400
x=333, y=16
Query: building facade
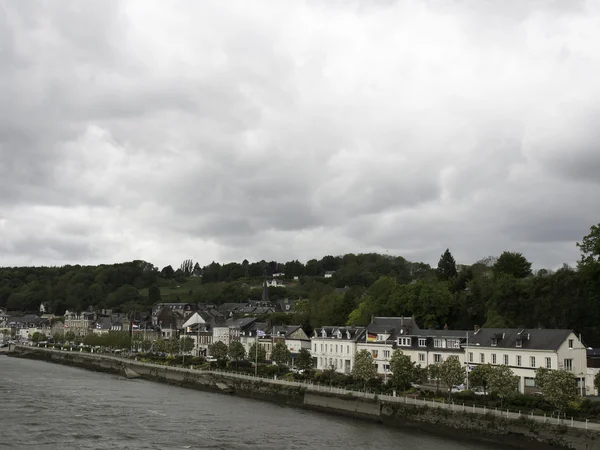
x=523, y=350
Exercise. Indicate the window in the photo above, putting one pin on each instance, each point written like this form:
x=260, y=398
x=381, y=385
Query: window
x=453, y=343
x=421, y=357
x=493, y=358
x=482, y=358
x=321, y=347
x=374, y=353
x=437, y=358
x=519, y=343
x=336, y=348
x=470, y=356
x=506, y=360
x=315, y=347
x=386, y=354
x=439, y=343
x=422, y=342
x=404, y=342
x=519, y=360
x=570, y=343
x=568, y=364
x=532, y=361
x=347, y=349
x=529, y=382
x=548, y=363
x=386, y=367
x=494, y=342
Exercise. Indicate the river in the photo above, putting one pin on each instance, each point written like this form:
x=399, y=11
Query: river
x=49, y=406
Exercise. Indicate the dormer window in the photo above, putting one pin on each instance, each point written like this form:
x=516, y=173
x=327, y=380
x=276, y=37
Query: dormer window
x=494, y=342
x=422, y=342
x=404, y=342
x=348, y=335
x=519, y=343
x=324, y=333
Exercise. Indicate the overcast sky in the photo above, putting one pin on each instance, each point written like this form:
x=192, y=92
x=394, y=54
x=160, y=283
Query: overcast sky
x=278, y=130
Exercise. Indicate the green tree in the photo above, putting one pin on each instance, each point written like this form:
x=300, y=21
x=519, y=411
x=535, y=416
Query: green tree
x=280, y=354
x=38, y=337
x=160, y=345
x=590, y=246
x=597, y=381
x=558, y=386
x=434, y=373
x=364, y=367
x=69, y=336
x=403, y=370
x=452, y=373
x=146, y=345
x=513, y=264
x=219, y=350
x=236, y=351
x=446, y=268
x=187, y=344
x=259, y=353
x=503, y=382
x=154, y=296
x=304, y=360
x=479, y=377
x=174, y=346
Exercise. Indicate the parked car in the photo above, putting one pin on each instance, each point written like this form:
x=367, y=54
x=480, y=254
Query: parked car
x=296, y=370
x=457, y=389
x=211, y=359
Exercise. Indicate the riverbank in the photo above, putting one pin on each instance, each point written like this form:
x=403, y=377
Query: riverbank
x=398, y=413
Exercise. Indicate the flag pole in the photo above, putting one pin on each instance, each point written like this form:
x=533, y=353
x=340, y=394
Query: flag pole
x=256, y=354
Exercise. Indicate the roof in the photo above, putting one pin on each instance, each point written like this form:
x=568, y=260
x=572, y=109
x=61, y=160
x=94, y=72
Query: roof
x=230, y=307
x=536, y=339
x=355, y=333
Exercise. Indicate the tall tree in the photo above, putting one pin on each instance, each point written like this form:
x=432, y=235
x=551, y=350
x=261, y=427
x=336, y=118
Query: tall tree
x=364, y=367
x=219, y=350
x=558, y=386
x=503, y=382
x=280, y=354
x=236, y=351
x=260, y=354
x=186, y=267
x=513, y=264
x=452, y=372
x=304, y=360
x=479, y=377
x=446, y=268
x=403, y=370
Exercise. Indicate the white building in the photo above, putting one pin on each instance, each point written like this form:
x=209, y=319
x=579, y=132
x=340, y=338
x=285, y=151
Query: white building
x=523, y=350
x=335, y=347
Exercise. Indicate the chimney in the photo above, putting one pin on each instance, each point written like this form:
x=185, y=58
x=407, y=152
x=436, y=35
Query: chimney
x=476, y=329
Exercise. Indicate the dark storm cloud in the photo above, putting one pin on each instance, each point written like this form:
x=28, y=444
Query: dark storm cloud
x=140, y=130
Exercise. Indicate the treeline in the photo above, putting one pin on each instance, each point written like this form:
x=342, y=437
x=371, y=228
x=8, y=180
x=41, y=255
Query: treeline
x=493, y=292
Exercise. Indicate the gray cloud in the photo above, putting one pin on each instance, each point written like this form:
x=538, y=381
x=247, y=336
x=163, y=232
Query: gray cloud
x=140, y=130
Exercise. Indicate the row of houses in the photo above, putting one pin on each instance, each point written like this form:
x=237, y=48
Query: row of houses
x=523, y=350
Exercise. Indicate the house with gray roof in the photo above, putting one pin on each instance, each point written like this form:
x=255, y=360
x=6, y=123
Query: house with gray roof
x=523, y=350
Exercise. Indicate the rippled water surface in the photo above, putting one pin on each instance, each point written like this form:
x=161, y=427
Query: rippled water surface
x=49, y=406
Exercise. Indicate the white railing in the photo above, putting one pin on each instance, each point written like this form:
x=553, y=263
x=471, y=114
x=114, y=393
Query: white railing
x=451, y=406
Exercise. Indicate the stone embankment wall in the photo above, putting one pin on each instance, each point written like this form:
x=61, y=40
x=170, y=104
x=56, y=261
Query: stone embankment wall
x=519, y=433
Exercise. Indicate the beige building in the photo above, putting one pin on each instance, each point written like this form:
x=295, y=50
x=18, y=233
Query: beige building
x=79, y=323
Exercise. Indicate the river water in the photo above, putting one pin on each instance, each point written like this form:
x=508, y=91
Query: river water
x=49, y=406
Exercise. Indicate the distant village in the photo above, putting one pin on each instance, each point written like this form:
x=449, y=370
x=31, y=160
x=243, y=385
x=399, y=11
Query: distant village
x=334, y=347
